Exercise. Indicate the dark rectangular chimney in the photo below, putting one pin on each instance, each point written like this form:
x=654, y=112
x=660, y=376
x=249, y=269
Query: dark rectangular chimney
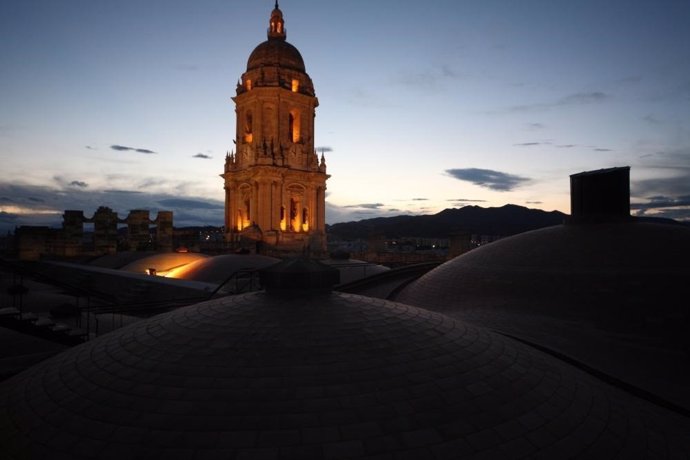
x=600, y=195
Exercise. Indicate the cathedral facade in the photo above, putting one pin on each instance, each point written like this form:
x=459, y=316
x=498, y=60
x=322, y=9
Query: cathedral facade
x=275, y=183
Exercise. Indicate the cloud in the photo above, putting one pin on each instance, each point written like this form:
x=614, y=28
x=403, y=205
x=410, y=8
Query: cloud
x=420, y=199
x=594, y=97
x=566, y=146
x=363, y=98
x=676, y=159
x=664, y=206
x=122, y=192
x=533, y=202
x=366, y=206
x=679, y=214
x=67, y=183
x=462, y=202
x=123, y=148
x=668, y=194
x=599, y=149
x=535, y=126
x=426, y=80
x=187, y=67
x=149, y=182
x=183, y=203
x=494, y=180
x=662, y=202
x=447, y=71
x=583, y=98
x=202, y=156
x=651, y=119
x=324, y=149
x=530, y=144
x=676, y=186
x=88, y=147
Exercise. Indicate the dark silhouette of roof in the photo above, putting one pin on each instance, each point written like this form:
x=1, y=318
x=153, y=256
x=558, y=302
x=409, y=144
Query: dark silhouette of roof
x=608, y=294
x=324, y=376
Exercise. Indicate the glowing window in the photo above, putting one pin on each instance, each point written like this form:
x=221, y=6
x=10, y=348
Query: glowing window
x=305, y=220
x=283, y=220
x=294, y=216
x=248, y=127
x=294, y=126
x=248, y=84
x=295, y=85
x=247, y=214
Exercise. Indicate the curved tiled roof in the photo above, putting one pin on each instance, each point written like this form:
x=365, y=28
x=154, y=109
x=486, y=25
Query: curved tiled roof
x=163, y=262
x=322, y=376
x=606, y=294
x=276, y=53
x=217, y=269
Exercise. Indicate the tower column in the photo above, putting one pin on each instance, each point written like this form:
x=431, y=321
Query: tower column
x=274, y=181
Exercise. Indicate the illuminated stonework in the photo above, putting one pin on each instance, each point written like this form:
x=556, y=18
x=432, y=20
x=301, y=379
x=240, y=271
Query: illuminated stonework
x=275, y=184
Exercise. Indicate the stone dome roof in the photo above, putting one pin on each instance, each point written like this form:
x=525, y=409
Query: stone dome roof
x=594, y=262
x=163, y=262
x=276, y=53
x=600, y=293
x=218, y=269
x=322, y=376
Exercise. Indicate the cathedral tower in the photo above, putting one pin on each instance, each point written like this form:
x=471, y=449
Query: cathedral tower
x=275, y=184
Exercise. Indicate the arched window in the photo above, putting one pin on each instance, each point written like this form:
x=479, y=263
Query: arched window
x=283, y=220
x=248, y=213
x=295, y=85
x=240, y=220
x=244, y=211
x=294, y=216
x=248, y=127
x=305, y=220
x=294, y=127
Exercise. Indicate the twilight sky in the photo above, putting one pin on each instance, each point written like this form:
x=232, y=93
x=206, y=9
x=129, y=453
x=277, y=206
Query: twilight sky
x=423, y=105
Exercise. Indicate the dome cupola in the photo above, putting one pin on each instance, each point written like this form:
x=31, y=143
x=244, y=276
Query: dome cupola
x=276, y=51
x=276, y=26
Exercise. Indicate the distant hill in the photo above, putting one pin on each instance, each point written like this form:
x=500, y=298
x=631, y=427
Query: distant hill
x=506, y=220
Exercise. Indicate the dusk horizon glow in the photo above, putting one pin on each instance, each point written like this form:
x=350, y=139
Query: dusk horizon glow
x=422, y=106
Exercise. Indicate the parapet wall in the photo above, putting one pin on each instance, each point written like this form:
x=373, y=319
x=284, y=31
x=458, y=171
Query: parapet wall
x=72, y=241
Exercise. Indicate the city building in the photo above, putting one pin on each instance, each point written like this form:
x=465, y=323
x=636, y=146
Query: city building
x=275, y=183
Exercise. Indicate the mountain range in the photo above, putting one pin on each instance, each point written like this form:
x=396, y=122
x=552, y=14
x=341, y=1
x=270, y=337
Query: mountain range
x=506, y=220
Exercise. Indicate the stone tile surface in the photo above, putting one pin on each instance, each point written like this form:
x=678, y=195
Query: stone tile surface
x=334, y=376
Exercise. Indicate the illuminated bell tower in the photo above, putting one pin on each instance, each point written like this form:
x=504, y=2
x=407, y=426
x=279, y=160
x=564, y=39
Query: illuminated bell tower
x=275, y=184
